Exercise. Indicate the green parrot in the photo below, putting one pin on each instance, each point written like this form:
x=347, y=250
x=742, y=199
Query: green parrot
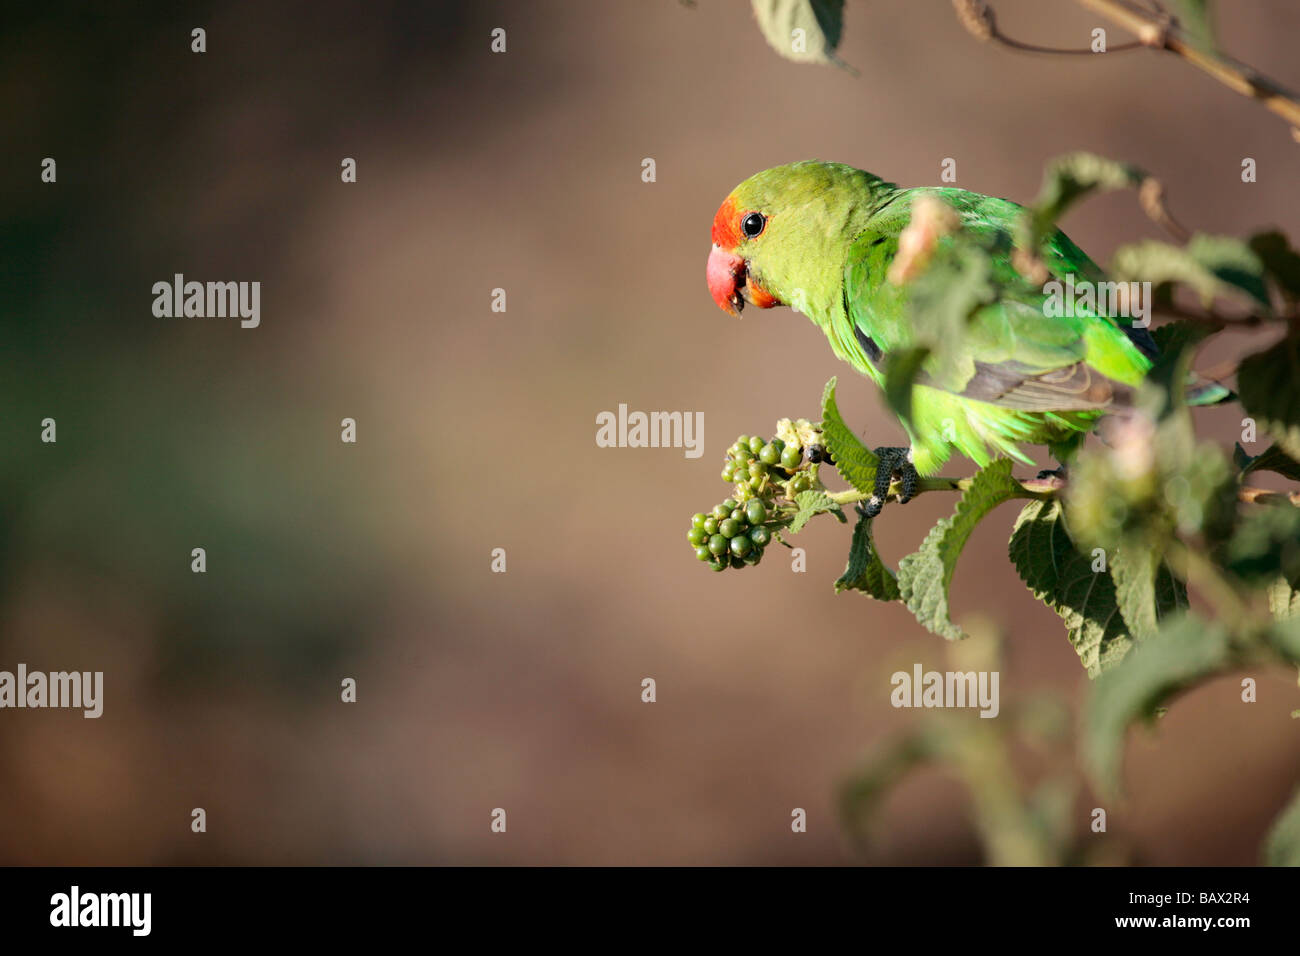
x=822, y=237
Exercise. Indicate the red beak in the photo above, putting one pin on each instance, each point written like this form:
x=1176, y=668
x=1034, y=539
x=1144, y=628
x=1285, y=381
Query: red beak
x=726, y=276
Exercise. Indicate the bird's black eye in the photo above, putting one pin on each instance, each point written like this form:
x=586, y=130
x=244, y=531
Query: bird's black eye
x=753, y=224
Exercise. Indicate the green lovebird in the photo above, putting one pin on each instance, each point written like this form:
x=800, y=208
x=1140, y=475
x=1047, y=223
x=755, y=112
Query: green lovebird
x=822, y=237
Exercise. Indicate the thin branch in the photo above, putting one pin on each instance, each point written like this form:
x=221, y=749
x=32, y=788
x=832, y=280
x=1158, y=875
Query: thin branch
x=1159, y=32
x=1042, y=489
x=978, y=19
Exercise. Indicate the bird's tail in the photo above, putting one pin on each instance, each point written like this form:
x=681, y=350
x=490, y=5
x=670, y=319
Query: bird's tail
x=1202, y=391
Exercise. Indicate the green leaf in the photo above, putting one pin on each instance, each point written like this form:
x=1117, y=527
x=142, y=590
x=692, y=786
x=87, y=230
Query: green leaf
x=1268, y=384
x=865, y=571
x=1272, y=459
x=853, y=460
x=1282, y=845
x=1211, y=266
x=1284, y=599
x=813, y=503
x=1062, y=578
x=1178, y=335
x=925, y=575
x=820, y=24
x=1186, y=650
x=1066, y=180
x=1145, y=589
x=1284, y=637
x=1281, y=261
x=1265, y=545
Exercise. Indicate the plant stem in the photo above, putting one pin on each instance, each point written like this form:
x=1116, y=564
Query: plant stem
x=1040, y=488
x=1155, y=31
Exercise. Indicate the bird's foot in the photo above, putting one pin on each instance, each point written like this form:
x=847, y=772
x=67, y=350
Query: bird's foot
x=894, y=463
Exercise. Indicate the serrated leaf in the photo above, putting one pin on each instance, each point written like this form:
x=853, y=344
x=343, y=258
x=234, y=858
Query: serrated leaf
x=1209, y=265
x=1187, y=649
x=1268, y=384
x=1178, y=335
x=925, y=575
x=1282, y=845
x=805, y=31
x=812, y=503
x=1145, y=589
x=1062, y=578
x=1272, y=459
x=1283, y=599
x=865, y=571
x=1281, y=261
x=853, y=460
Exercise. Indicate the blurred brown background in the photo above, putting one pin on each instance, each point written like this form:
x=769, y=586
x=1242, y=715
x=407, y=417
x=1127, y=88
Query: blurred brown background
x=476, y=430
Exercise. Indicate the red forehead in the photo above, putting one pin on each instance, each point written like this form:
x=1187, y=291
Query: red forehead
x=726, y=225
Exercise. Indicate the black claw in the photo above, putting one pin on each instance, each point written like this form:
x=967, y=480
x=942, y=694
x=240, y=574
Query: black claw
x=1061, y=472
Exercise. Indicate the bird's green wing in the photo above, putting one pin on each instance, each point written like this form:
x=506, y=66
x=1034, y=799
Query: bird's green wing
x=1015, y=355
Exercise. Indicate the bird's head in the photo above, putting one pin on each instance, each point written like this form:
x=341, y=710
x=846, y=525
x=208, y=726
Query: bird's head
x=780, y=236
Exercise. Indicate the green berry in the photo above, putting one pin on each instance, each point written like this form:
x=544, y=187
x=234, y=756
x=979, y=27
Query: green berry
x=755, y=513
x=791, y=458
x=703, y=553
x=779, y=443
x=737, y=562
x=698, y=519
x=697, y=536
x=738, y=516
x=756, y=444
x=769, y=455
x=710, y=526
x=716, y=565
x=756, y=483
x=718, y=544
x=729, y=528
x=754, y=557
x=757, y=469
x=742, y=442
x=741, y=545
x=760, y=536
x=720, y=512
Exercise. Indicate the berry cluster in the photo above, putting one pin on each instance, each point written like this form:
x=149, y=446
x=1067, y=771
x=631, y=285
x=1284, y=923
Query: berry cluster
x=767, y=475
x=758, y=464
x=734, y=535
